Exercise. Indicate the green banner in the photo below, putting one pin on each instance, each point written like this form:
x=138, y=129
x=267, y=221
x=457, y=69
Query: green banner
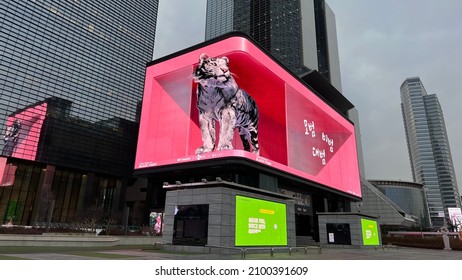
x=260, y=222
x=370, y=232
x=11, y=211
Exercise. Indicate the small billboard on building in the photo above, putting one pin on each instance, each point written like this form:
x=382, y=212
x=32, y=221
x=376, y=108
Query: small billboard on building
x=260, y=222
x=370, y=232
x=22, y=132
x=455, y=217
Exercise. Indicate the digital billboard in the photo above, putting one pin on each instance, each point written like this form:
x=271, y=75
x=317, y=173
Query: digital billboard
x=156, y=221
x=7, y=172
x=455, y=216
x=370, y=232
x=260, y=222
x=229, y=99
x=22, y=132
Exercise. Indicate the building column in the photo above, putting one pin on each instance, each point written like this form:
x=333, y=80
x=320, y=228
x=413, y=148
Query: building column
x=44, y=195
x=86, y=192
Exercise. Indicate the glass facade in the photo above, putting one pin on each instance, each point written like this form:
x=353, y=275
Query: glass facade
x=275, y=25
x=279, y=27
x=428, y=147
x=220, y=16
x=39, y=192
x=409, y=196
x=71, y=82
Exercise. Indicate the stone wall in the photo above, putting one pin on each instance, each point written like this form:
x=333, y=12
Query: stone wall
x=222, y=214
x=354, y=221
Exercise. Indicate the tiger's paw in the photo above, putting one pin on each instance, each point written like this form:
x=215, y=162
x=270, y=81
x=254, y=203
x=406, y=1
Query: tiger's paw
x=202, y=150
x=225, y=147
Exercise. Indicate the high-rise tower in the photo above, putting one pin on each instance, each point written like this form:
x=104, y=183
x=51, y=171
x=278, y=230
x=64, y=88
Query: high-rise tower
x=300, y=34
x=428, y=147
x=71, y=80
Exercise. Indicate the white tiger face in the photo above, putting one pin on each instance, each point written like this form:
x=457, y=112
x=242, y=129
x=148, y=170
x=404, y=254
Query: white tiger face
x=212, y=68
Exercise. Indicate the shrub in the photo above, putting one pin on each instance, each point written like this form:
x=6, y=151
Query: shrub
x=422, y=242
x=20, y=230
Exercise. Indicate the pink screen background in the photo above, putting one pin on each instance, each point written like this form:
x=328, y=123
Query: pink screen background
x=289, y=113
x=29, y=135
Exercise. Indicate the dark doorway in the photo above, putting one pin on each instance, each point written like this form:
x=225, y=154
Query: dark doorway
x=191, y=225
x=338, y=234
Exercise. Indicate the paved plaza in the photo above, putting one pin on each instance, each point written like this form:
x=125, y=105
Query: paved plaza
x=400, y=253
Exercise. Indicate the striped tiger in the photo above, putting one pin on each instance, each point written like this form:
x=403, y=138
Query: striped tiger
x=220, y=99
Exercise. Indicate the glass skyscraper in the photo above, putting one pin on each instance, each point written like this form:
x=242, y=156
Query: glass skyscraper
x=71, y=82
x=428, y=147
x=299, y=34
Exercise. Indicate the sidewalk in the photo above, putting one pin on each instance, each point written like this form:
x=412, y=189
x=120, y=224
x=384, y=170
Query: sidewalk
x=149, y=254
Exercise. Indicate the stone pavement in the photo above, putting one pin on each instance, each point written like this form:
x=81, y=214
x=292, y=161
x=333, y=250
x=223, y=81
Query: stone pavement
x=327, y=254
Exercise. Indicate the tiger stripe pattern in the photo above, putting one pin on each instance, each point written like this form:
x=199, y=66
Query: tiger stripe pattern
x=219, y=99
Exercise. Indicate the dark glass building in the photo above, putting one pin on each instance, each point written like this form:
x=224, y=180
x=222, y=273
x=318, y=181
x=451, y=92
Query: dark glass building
x=71, y=81
x=300, y=34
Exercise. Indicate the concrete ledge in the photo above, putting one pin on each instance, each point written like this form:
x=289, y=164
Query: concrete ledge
x=67, y=240
x=138, y=240
x=340, y=246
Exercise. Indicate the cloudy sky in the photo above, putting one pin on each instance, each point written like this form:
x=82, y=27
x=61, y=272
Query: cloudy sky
x=381, y=43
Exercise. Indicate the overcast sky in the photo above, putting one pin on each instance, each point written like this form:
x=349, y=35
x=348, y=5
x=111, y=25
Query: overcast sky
x=381, y=43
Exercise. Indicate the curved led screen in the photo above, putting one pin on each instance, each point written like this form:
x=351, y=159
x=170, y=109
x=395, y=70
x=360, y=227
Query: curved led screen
x=230, y=99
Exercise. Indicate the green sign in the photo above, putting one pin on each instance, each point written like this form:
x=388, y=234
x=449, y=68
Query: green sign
x=370, y=232
x=260, y=222
x=11, y=210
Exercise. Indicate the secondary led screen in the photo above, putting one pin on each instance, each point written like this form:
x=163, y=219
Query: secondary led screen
x=22, y=132
x=230, y=99
x=455, y=216
x=260, y=222
x=370, y=232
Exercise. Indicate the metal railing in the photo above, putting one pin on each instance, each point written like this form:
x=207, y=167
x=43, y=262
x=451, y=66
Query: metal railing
x=272, y=250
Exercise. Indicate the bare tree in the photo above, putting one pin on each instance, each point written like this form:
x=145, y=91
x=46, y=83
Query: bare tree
x=111, y=219
x=90, y=218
